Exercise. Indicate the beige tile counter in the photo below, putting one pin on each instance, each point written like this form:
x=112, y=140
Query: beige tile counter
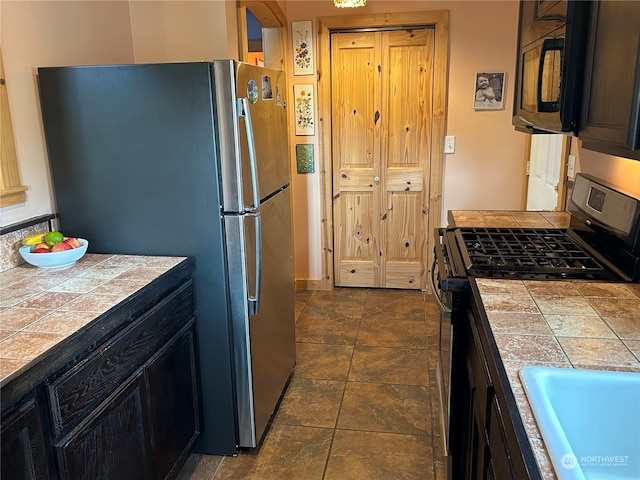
x=508, y=219
x=40, y=308
x=561, y=324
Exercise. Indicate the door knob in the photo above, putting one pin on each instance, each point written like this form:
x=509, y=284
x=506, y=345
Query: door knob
x=376, y=179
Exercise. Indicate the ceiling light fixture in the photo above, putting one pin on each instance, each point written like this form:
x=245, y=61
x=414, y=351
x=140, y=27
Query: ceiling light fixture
x=349, y=3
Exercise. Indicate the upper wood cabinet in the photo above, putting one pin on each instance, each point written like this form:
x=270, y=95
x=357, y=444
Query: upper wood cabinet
x=610, y=120
x=11, y=191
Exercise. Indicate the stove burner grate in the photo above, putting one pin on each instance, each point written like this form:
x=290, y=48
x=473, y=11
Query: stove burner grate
x=525, y=251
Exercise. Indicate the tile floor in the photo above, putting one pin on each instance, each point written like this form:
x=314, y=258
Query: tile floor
x=362, y=403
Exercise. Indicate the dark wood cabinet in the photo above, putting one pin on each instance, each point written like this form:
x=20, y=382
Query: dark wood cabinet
x=110, y=442
x=25, y=451
x=493, y=443
x=610, y=120
x=117, y=405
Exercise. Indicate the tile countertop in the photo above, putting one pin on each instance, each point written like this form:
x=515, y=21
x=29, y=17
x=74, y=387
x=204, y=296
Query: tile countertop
x=587, y=325
x=508, y=219
x=39, y=308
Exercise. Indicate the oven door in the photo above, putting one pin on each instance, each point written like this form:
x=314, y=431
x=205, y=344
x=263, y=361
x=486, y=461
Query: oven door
x=445, y=337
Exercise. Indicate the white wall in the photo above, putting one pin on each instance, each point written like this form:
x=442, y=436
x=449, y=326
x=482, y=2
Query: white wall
x=183, y=30
x=47, y=33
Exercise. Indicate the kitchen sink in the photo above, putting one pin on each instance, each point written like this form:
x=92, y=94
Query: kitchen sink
x=589, y=421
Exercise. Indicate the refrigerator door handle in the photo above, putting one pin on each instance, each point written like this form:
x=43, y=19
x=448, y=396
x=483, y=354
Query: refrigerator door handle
x=243, y=109
x=254, y=301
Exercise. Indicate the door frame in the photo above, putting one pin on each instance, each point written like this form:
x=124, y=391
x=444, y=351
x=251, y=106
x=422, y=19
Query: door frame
x=439, y=21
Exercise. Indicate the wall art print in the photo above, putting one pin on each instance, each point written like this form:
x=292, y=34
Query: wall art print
x=302, y=37
x=488, y=92
x=304, y=158
x=304, y=102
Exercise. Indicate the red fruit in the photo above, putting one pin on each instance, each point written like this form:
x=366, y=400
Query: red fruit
x=59, y=247
x=73, y=242
x=40, y=250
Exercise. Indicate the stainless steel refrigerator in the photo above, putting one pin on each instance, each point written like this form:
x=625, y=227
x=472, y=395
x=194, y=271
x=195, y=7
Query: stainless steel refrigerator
x=190, y=159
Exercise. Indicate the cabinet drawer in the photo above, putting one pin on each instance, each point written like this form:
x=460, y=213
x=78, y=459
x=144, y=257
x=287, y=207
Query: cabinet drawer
x=83, y=387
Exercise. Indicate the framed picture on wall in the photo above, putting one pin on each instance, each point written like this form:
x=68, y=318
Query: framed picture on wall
x=488, y=91
x=302, y=38
x=304, y=102
x=304, y=158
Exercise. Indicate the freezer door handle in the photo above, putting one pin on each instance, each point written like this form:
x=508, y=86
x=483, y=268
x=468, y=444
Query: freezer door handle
x=243, y=109
x=254, y=301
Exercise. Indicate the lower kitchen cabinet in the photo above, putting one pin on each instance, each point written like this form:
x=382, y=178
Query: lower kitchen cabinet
x=123, y=406
x=25, y=454
x=489, y=446
x=110, y=442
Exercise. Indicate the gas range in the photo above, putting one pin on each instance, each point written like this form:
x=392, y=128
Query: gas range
x=602, y=243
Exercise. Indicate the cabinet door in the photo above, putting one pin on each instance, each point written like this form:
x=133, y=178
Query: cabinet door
x=24, y=451
x=173, y=402
x=611, y=106
x=110, y=442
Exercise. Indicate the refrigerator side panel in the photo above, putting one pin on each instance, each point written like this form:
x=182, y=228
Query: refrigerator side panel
x=134, y=169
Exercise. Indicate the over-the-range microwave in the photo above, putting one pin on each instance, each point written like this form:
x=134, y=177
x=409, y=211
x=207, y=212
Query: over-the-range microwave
x=550, y=66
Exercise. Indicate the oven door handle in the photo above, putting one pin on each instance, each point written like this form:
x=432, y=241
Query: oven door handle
x=444, y=310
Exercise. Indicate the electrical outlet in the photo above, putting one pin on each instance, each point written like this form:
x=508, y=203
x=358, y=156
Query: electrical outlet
x=571, y=166
x=449, y=144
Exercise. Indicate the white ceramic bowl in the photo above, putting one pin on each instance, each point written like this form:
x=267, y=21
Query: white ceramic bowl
x=61, y=259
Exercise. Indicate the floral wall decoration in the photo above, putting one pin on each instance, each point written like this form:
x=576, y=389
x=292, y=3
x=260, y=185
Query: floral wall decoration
x=304, y=109
x=302, y=37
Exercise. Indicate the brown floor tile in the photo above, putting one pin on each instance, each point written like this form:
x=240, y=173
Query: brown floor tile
x=386, y=408
x=311, y=403
x=320, y=361
x=401, y=304
x=288, y=453
x=365, y=363
x=200, y=467
x=301, y=301
x=390, y=332
x=326, y=329
x=341, y=302
x=389, y=365
x=379, y=456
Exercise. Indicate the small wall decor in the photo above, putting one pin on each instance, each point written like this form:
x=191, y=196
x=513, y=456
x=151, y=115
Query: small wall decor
x=304, y=111
x=488, y=92
x=304, y=158
x=302, y=37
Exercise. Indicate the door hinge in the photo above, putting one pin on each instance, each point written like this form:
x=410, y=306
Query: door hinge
x=528, y=167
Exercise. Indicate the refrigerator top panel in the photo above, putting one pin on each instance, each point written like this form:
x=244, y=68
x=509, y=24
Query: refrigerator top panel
x=251, y=121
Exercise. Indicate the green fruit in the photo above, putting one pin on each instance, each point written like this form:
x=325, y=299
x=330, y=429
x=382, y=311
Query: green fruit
x=52, y=238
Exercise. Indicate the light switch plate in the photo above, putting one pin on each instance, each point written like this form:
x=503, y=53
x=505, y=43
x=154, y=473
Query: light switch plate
x=571, y=166
x=450, y=144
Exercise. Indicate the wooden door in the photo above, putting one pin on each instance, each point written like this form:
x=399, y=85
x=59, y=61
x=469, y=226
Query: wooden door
x=381, y=86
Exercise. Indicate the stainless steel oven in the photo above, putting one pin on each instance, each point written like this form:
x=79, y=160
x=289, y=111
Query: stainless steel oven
x=602, y=243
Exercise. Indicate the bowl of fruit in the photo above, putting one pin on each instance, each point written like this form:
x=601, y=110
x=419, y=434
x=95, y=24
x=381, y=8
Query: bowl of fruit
x=52, y=250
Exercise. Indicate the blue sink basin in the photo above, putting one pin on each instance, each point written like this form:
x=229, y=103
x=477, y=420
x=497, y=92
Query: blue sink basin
x=589, y=421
